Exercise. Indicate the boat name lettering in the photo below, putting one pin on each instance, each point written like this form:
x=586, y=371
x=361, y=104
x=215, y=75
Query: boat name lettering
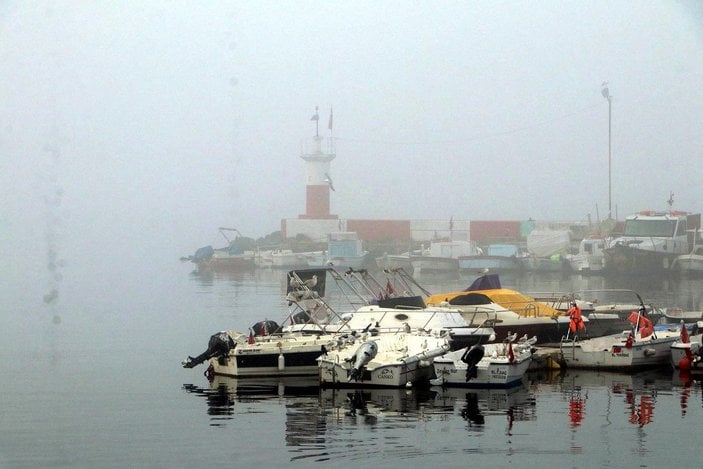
x=385, y=374
x=499, y=373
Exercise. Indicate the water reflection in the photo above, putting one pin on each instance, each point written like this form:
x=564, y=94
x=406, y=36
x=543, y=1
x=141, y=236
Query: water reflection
x=577, y=408
x=222, y=392
x=369, y=403
x=687, y=384
x=638, y=392
x=220, y=402
x=516, y=404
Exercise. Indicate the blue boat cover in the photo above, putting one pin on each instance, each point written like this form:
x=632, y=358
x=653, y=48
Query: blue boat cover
x=485, y=282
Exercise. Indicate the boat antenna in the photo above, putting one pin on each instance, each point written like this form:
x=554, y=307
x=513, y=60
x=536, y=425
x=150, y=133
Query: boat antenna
x=671, y=199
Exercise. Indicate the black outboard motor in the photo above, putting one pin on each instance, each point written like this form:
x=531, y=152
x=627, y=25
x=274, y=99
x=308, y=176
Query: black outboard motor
x=219, y=345
x=471, y=357
x=266, y=327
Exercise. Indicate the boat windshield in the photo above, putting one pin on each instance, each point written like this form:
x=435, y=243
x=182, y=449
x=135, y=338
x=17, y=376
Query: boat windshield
x=661, y=228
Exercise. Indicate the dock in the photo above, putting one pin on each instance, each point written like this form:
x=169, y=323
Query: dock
x=545, y=358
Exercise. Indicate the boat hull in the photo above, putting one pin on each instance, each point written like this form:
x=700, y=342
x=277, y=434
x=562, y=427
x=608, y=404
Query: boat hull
x=491, y=372
x=545, y=264
x=434, y=265
x=354, y=262
x=267, y=359
x=401, y=360
x=288, y=260
x=226, y=264
x=548, y=330
x=625, y=259
x=493, y=264
x=612, y=352
x=679, y=350
x=390, y=375
x=390, y=261
x=689, y=264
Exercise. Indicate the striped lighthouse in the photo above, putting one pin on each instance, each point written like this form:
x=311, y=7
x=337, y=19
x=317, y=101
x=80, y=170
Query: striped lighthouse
x=318, y=180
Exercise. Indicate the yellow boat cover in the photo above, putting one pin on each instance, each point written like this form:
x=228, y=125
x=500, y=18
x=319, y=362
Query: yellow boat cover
x=513, y=300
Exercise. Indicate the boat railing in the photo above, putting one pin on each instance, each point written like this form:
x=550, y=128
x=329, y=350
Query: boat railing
x=490, y=316
x=316, y=309
x=530, y=310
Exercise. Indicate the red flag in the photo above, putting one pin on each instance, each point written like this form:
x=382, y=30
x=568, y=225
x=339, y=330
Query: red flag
x=251, y=340
x=633, y=318
x=647, y=328
x=389, y=288
x=329, y=126
x=684, y=334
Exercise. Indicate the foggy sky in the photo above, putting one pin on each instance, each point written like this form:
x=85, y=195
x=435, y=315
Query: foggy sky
x=134, y=126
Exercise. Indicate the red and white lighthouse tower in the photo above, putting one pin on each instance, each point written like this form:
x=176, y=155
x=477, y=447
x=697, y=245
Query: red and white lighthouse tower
x=318, y=180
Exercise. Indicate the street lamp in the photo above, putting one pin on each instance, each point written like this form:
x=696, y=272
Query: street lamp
x=606, y=94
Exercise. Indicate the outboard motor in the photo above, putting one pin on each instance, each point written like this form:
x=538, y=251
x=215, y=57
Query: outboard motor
x=364, y=354
x=265, y=327
x=471, y=357
x=219, y=345
x=301, y=317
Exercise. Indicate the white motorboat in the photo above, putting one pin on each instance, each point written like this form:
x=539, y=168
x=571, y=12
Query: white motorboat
x=498, y=258
x=496, y=365
x=691, y=263
x=627, y=351
x=286, y=258
x=389, y=360
x=232, y=353
x=686, y=352
x=394, y=261
x=271, y=349
x=651, y=242
x=231, y=258
x=546, y=251
x=590, y=257
x=442, y=257
x=675, y=315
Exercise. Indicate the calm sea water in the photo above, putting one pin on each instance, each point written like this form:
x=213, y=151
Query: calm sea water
x=94, y=380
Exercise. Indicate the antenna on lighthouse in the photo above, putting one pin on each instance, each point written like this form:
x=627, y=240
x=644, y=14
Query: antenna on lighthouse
x=316, y=117
x=329, y=126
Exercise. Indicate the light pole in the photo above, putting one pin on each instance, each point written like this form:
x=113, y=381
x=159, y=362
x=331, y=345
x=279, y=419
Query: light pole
x=606, y=94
